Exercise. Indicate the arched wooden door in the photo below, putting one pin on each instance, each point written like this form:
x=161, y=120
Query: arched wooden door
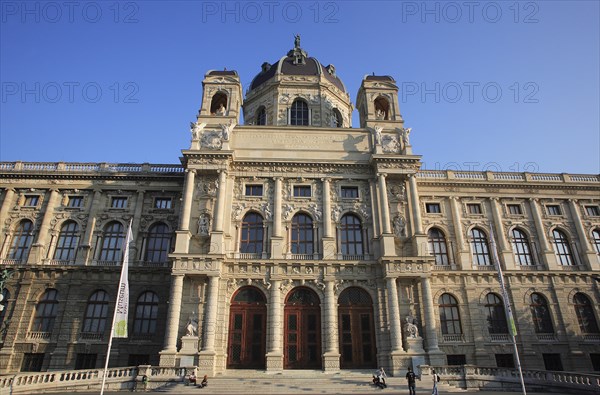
x=302, y=337
x=356, y=330
x=247, y=330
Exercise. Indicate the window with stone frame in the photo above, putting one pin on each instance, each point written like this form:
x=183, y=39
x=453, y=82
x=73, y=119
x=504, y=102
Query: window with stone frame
x=75, y=201
x=433, y=208
x=261, y=116
x=540, y=314
x=596, y=240
x=299, y=114
x=553, y=209
x=449, y=315
x=146, y=314
x=66, y=245
x=96, y=313
x=514, y=209
x=158, y=243
x=302, y=234
x=585, y=314
x=163, y=203
x=254, y=190
x=112, y=239
x=562, y=248
x=521, y=248
x=45, y=312
x=302, y=190
x=474, y=208
x=21, y=241
x=438, y=247
x=349, y=192
x=592, y=211
x=251, y=238
x=118, y=202
x=496, y=318
x=480, y=248
x=351, y=239
x=31, y=200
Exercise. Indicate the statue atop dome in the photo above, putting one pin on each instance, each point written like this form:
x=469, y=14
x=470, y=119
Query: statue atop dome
x=298, y=54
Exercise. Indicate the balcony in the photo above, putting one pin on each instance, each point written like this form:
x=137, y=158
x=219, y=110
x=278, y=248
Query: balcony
x=11, y=262
x=97, y=336
x=454, y=338
x=60, y=262
x=106, y=263
x=500, y=337
x=484, y=268
x=546, y=337
x=35, y=335
x=593, y=338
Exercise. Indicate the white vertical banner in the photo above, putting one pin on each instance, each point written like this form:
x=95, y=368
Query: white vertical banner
x=122, y=306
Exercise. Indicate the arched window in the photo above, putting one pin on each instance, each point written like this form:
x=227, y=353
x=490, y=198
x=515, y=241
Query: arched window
x=21, y=241
x=596, y=240
x=562, y=248
x=481, y=251
x=302, y=234
x=495, y=314
x=336, y=119
x=521, y=248
x=299, y=113
x=351, y=235
x=146, y=314
x=382, y=108
x=585, y=314
x=67, y=241
x=449, y=315
x=158, y=244
x=542, y=322
x=218, y=104
x=96, y=313
x=45, y=312
x=437, y=246
x=249, y=295
x=261, y=116
x=112, y=239
x=251, y=240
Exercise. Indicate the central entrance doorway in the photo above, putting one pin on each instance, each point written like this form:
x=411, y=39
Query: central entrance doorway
x=302, y=337
x=247, y=330
x=356, y=330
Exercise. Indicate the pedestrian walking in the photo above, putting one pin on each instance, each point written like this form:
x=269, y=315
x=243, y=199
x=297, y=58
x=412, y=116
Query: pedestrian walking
x=436, y=380
x=411, y=378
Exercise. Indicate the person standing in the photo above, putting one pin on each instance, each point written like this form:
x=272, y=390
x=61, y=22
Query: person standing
x=411, y=378
x=436, y=379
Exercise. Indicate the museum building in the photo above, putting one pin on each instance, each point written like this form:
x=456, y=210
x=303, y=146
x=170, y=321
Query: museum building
x=293, y=240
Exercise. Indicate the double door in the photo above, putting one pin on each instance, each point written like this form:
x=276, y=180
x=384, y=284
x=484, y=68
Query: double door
x=302, y=338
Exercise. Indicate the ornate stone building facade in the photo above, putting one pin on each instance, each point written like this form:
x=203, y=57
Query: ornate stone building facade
x=295, y=241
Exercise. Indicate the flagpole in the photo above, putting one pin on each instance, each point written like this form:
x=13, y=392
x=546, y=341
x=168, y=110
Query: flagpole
x=123, y=297
x=509, y=315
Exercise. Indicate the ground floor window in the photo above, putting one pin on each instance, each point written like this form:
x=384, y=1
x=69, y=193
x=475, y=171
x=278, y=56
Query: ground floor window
x=505, y=361
x=138, y=359
x=595, y=362
x=456, y=359
x=552, y=362
x=86, y=361
x=32, y=362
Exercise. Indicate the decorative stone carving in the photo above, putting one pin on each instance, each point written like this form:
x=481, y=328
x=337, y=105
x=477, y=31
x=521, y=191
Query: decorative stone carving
x=211, y=140
x=203, y=225
x=314, y=209
x=399, y=226
x=191, y=327
x=411, y=330
x=196, y=130
x=226, y=130
x=390, y=145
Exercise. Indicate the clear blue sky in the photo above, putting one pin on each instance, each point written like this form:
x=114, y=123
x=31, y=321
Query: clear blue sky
x=498, y=85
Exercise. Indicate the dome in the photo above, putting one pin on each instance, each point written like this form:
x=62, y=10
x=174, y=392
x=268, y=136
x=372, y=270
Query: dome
x=297, y=62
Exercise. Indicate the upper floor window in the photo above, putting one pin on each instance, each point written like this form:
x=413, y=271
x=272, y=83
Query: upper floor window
x=302, y=191
x=21, y=241
x=66, y=246
x=251, y=240
x=481, y=251
x=433, y=208
x=495, y=314
x=261, y=116
x=351, y=235
x=75, y=202
x=553, y=209
x=112, y=239
x=31, y=200
x=585, y=314
x=562, y=248
x=592, y=211
x=596, y=239
x=45, y=312
x=96, y=313
x=162, y=203
x=302, y=234
x=437, y=246
x=118, y=202
x=514, y=209
x=449, y=315
x=382, y=108
x=146, y=314
x=349, y=192
x=521, y=248
x=158, y=243
x=336, y=119
x=218, y=104
x=254, y=190
x=474, y=208
x=542, y=322
x=299, y=113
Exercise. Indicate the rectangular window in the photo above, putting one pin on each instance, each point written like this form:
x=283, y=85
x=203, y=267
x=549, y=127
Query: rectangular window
x=592, y=211
x=138, y=359
x=505, y=361
x=86, y=361
x=349, y=192
x=514, y=209
x=474, y=208
x=254, y=190
x=302, y=191
x=75, y=201
x=31, y=200
x=552, y=362
x=433, y=208
x=595, y=362
x=457, y=359
x=32, y=362
x=118, y=202
x=553, y=209
x=162, y=203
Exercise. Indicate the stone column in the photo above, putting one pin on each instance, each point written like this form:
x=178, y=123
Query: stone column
x=457, y=222
x=328, y=249
x=220, y=207
x=168, y=356
x=274, y=348
x=37, y=249
x=547, y=255
x=331, y=357
x=588, y=255
x=375, y=212
x=430, y=323
x=84, y=255
x=414, y=202
x=277, y=237
x=182, y=241
x=384, y=205
x=397, y=353
x=207, y=357
x=505, y=249
x=135, y=226
x=9, y=196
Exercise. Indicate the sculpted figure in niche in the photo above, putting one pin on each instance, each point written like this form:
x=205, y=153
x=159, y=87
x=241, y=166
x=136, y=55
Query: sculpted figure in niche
x=221, y=110
x=406, y=136
x=203, y=225
x=410, y=328
x=399, y=226
x=191, y=327
x=377, y=134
